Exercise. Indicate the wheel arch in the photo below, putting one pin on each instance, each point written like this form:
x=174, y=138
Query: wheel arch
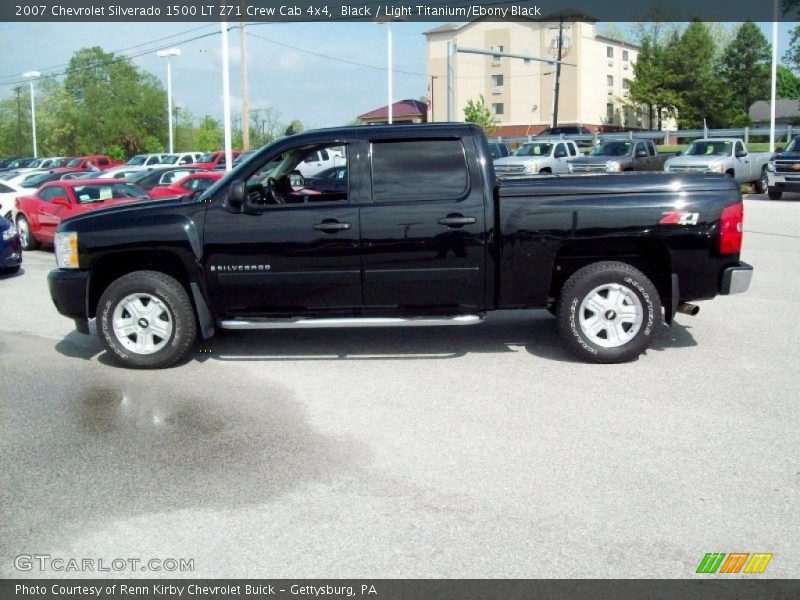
x=650, y=256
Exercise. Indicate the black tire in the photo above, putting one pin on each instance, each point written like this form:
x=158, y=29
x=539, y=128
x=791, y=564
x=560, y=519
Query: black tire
x=760, y=186
x=774, y=194
x=12, y=270
x=25, y=236
x=585, y=282
x=178, y=308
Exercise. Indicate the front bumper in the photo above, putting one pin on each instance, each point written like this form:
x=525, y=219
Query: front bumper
x=736, y=280
x=10, y=253
x=782, y=182
x=69, y=290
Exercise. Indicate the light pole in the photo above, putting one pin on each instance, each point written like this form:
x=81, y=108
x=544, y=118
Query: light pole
x=168, y=53
x=389, y=66
x=226, y=95
x=32, y=75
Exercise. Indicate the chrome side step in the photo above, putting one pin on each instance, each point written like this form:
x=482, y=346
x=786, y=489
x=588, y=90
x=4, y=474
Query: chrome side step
x=305, y=323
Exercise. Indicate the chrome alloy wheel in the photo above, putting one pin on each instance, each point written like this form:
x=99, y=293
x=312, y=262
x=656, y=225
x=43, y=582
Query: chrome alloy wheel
x=24, y=232
x=611, y=315
x=142, y=323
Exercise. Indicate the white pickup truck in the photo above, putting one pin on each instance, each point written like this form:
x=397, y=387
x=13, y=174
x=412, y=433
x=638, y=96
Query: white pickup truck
x=322, y=159
x=541, y=156
x=728, y=156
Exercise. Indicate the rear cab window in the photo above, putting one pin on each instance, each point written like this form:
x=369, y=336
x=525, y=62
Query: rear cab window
x=418, y=170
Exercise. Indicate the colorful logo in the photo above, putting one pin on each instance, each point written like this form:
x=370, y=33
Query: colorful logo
x=713, y=562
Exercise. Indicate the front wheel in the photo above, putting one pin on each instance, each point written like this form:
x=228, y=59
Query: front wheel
x=26, y=238
x=609, y=312
x=146, y=320
x=761, y=185
x=774, y=194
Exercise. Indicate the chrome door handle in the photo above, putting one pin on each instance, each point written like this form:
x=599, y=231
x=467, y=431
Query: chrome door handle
x=456, y=221
x=331, y=226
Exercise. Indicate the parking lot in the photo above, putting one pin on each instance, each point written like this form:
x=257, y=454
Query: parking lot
x=467, y=452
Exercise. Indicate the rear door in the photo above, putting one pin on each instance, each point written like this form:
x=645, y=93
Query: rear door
x=422, y=225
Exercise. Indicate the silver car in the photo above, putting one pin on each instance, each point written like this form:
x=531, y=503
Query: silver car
x=541, y=157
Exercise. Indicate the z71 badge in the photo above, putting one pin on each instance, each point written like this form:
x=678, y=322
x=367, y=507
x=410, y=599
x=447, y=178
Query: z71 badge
x=679, y=217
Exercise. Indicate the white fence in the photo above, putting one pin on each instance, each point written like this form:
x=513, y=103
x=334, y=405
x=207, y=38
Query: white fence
x=782, y=133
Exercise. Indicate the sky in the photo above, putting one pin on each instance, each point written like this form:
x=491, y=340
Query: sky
x=304, y=70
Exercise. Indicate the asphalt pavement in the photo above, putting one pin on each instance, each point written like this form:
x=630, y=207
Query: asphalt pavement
x=484, y=451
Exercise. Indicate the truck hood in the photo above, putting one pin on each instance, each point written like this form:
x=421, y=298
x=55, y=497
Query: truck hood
x=787, y=156
x=133, y=209
x=517, y=160
x=596, y=160
x=691, y=161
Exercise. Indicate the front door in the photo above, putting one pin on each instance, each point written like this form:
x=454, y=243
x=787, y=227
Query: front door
x=294, y=250
x=50, y=215
x=423, y=226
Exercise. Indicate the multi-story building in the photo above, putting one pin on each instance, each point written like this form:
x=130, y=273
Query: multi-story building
x=520, y=92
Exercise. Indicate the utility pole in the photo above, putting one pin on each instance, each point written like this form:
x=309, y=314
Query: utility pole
x=32, y=75
x=18, y=89
x=245, y=92
x=557, y=74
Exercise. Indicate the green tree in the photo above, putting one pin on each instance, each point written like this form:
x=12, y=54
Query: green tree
x=113, y=103
x=477, y=112
x=209, y=135
x=744, y=67
x=792, y=56
x=694, y=79
x=650, y=88
x=788, y=84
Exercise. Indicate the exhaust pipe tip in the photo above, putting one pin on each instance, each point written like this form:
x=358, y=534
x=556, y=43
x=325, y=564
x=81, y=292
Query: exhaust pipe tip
x=688, y=309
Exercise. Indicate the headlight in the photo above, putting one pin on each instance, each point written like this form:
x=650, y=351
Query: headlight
x=66, y=246
x=613, y=167
x=666, y=167
x=720, y=168
x=771, y=166
x=9, y=233
x=531, y=167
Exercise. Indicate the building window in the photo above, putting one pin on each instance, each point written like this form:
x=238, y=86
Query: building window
x=496, y=59
x=610, y=112
x=626, y=84
x=610, y=80
x=497, y=108
x=497, y=80
x=610, y=51
x=625, y=55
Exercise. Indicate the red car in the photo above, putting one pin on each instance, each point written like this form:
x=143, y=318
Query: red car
x=209, y=160
x=196, y=182
x=101, y=162
x=38, y=215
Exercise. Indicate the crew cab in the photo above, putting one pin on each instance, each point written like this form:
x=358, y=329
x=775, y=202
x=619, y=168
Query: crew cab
x=728, y=156
x=541, y=156
x=100, y=162
x=613, y=156
x=423, y=235
x=38, y=215
x=783, y=171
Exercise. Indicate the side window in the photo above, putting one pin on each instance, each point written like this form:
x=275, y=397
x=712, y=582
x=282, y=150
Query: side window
x=324, y=154
x=4, y=189
x=58, y=191
x=47, y=194
x=560, y=152
x=185, y=160
x=297, y=177
x=573, y=149
x=739, y=147
x=651, y=148
x=419, y=170
x=102, y=161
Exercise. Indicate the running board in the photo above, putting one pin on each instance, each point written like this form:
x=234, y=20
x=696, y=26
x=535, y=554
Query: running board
x=305, y=323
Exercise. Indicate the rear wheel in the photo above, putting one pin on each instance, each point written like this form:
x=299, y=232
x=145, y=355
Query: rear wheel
x=609, y=312
x=25, y=236
x=774, y=194
x=761, y=185
x=146, y=320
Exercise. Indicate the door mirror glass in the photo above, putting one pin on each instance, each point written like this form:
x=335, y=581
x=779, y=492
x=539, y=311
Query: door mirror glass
x=296, y=182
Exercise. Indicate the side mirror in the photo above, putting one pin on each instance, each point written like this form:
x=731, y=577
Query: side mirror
x=60, y=200
x=641, y=154
x=237, y=194
x=296, y=182
x=779, y=149
x=741, y=154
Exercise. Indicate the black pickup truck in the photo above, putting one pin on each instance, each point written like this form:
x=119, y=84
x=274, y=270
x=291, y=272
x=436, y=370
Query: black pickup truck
x=423, y=234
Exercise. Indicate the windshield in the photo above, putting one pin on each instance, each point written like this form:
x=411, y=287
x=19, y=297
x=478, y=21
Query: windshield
x=75, y=162
x=37, y=180
x=794, y=145
x=169, y=159
x=137, y=160
x=534, y=150
x=706, y=148
x=86, y=194
x=612, y=149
